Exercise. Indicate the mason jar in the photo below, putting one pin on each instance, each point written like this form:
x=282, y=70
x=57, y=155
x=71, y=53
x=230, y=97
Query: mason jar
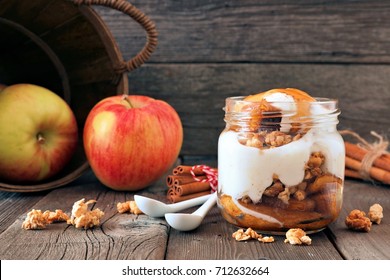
x=282, y=167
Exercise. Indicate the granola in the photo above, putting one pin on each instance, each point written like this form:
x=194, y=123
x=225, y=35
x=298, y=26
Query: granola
x=128, y=206
x=357, y=220
x=375, y=214
x=36, y=219
x=277, y=139
x=82, y=217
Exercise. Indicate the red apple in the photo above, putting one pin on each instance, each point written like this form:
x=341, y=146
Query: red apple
x=38, y=133
x=132, y=140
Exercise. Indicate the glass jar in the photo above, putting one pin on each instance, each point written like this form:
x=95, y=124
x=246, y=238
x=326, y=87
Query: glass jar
x=281, y=168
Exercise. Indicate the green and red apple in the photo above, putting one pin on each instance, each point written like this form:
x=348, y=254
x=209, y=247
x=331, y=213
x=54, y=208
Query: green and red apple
x=132, y=140
x=2, y=86
x=38, y=133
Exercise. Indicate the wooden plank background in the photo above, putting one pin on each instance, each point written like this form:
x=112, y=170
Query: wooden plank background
x=209, y=50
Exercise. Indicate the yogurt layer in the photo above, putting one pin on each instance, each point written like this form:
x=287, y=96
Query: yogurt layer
x=249, y=171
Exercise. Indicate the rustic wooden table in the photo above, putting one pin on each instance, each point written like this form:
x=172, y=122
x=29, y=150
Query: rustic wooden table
x=128, y=236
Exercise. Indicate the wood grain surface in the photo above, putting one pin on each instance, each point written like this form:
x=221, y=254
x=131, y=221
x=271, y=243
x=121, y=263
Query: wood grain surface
x=128, y=236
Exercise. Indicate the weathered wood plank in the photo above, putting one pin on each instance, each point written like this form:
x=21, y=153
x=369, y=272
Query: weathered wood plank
x=121, y=236
x=216, y=233
x=266, y=31
x=361, y=245
x=198, y=92
x=12, y=205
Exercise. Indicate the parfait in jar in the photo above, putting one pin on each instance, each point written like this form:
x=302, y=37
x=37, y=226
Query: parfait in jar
x=280, y=161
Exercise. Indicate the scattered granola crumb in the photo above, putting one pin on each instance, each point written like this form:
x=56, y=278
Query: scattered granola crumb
x=134, y=208
x=297, y=236
x=35, y=220
x=375, y=214
x=128, y=206
x=266, y=239
x=123, y=207
x=357, y=220
x=57, y=216
x=241, y=235
x=82, y=218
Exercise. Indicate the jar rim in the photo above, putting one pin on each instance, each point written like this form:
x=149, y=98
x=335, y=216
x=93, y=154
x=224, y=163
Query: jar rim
x=318, y=100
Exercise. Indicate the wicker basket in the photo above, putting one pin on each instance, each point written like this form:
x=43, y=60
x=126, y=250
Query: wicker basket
x=66, y=47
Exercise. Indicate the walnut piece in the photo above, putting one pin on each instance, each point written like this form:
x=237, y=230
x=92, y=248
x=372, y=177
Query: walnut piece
x=357, y=220
x=82, y=217
x=37, y=220
x=375, y=214
x=313, y=165
x=284, y=196
x=316, y=160
x=128, y=206
x=241, y=235
x=300, y=195
x=253, y=234
x=266, y=239
x=297, y=236
x=273, y=190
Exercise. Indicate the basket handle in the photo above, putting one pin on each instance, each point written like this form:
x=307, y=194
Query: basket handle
x=138, y=16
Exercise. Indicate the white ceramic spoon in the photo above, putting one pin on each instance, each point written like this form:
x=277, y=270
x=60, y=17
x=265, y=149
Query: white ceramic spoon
x=155, y=208
x=186, y=222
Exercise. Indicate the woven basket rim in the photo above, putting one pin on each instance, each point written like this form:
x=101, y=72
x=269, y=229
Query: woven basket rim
x=46, y=186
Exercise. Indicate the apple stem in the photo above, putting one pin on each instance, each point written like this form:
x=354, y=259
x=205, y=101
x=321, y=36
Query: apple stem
x=125, y=98
x=40, y=138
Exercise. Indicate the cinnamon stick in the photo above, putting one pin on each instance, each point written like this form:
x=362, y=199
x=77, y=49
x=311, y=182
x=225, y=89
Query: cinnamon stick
x=173, y=198
x=185, y=169
x=171, y=192
x=176, y=180
x=375, y=172
x=358, y=153
x=352, y=174
x=183, y=185
x=194, y=187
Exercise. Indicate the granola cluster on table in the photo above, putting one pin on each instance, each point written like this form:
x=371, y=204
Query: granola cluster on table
x=80, y=217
